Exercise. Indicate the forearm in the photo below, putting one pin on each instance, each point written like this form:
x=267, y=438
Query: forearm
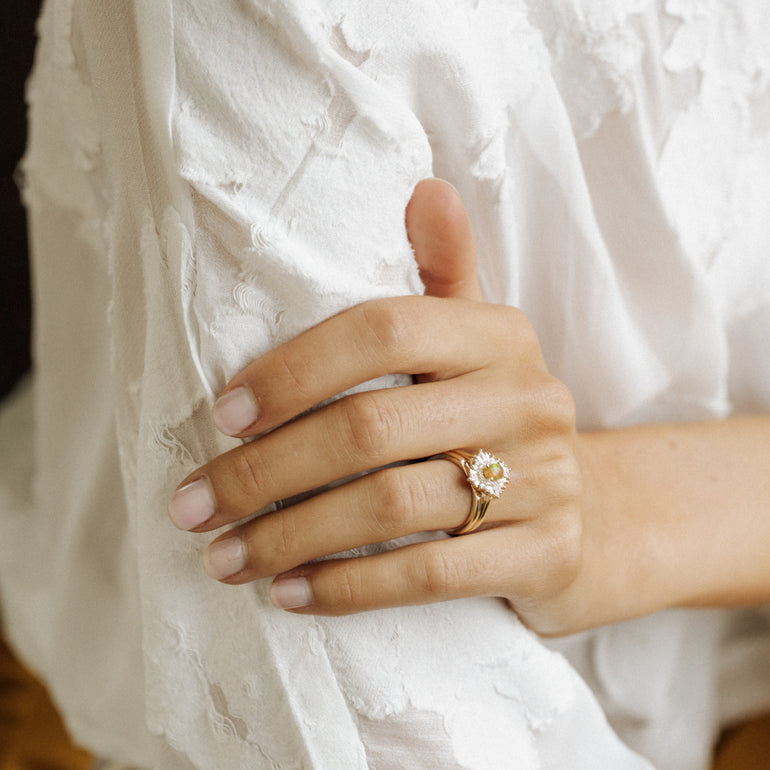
x=677, y=515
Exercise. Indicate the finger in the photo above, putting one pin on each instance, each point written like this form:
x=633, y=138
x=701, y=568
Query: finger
x=442, y=238
x=381, y=506
x=353, y=435
x=502, y=561
x=522, y=562
x=404, y=335
x=410, y=335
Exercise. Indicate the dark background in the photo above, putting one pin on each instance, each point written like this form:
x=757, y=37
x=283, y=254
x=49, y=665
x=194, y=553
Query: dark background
x=17, y=39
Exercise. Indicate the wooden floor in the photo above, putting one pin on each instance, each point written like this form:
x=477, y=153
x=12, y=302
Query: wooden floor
x=32, y=736
x=745, y=748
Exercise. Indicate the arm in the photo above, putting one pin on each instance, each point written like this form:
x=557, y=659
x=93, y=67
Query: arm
x=681, y=512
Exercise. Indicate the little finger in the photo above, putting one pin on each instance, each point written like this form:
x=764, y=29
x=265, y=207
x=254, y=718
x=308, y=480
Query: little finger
x=509, y=561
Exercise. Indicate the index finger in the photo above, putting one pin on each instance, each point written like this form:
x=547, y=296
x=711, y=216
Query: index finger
x=407, y=335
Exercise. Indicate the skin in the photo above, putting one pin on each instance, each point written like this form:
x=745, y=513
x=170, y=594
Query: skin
x=593, y=527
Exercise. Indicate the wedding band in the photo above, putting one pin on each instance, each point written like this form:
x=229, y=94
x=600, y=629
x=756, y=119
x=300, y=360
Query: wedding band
x=487, y=477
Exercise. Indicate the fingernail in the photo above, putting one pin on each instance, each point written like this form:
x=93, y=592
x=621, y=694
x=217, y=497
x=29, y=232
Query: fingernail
x=235, y=411
x=224, y=558
x=193, y=504
x=291, y=593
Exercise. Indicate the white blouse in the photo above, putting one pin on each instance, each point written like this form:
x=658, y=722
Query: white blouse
x=204, y=182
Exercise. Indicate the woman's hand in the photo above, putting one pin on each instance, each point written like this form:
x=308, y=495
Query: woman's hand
x=482, y=383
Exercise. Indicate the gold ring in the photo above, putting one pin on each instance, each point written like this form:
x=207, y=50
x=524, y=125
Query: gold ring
x=487, y=477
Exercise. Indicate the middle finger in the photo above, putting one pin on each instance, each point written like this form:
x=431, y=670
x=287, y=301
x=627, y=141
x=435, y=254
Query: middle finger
x=353, y=435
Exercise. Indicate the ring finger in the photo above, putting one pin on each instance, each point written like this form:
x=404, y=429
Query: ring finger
x=381, y=506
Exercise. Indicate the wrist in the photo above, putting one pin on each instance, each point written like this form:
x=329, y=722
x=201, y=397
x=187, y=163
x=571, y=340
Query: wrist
x=629, y=568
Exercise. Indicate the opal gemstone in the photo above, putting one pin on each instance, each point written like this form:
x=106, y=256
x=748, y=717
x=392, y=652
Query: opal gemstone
x=494, y=472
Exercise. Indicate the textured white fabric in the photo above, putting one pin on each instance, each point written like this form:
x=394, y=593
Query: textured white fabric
x=206, y=183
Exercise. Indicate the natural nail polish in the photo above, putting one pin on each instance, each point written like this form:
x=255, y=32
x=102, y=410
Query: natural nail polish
x=224, y=558
x=193, y=504
x=290, y=593
x=235, y=411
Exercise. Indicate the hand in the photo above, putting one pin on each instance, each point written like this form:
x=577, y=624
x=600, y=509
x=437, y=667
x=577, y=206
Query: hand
x=481, y=383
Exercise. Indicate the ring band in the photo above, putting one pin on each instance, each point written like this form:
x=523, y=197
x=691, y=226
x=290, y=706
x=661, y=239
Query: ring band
x=487, y=477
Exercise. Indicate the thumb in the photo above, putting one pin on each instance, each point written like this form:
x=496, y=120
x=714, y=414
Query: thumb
x=439, y=230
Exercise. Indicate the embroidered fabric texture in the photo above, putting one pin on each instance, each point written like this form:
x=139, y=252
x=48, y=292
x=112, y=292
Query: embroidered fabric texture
x=203, y=187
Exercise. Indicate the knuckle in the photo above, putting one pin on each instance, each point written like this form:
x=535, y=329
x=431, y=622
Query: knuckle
x=297, y=372
x=557, y=550
x=244, y=468
x=370, y=424
x=387, y=326
x=517, y=325
x=273, y=551
x=562, y=549
x=395, y=502
x=349, y=588
x=567, y=479
x=557, y=478
x=558, y=399
x=548, y=408
x=434, y=575
x=567, y=545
